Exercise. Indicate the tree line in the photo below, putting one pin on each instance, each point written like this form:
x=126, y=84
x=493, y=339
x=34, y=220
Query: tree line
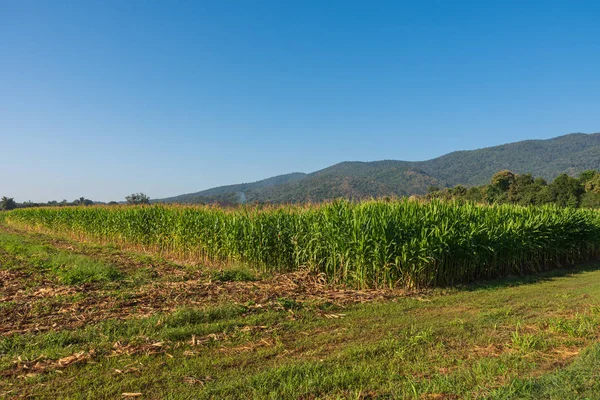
x=504, y=187
x=524, y=189
x=9, y=203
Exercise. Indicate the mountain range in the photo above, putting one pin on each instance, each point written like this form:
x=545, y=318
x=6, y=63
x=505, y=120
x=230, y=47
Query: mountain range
x=548, y=158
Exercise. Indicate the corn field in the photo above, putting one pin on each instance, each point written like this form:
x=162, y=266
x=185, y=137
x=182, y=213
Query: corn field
x=369, y=244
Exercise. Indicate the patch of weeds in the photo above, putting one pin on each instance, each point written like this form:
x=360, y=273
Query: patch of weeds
x=74, y=269
x=462, y=325
x=580, y=326
x=143, y=275
x=52, y=344
x=7, y=304
x=524, y=341
x=70, y=298
x=595, y=310
x=236, y=274
x=289, y=304
x=579, y=380
x=420, y=337
x=41, y=308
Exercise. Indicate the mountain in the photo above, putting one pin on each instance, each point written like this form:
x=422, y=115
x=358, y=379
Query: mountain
x=235, y=190
x=549, y=158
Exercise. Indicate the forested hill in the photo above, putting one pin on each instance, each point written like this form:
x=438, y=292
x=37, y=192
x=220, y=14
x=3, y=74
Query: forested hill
x=233, y=192
x=569, y=154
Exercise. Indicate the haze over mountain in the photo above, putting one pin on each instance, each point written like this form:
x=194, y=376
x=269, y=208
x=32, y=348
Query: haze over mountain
x=549, y=158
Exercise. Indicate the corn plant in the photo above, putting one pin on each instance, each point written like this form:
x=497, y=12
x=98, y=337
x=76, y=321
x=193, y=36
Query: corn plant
x=363, y=244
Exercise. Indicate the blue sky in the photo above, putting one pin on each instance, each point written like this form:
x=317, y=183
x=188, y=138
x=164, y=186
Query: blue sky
x=104, y=98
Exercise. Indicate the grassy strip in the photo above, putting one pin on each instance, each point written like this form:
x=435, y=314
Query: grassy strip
x=66, y=267
x=581, y=380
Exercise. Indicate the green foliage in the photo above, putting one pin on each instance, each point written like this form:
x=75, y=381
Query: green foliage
x=593, y=183
x=7, y=203
x=566, y=191
x=75, y=269
x=508, y=188
x=590, y=200
x=503, y=180
x=587, y=176
x=373, y=243
x=289, y=304
x=137, y=198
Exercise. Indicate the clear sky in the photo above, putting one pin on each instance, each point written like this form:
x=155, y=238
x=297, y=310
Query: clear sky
x=104, y=98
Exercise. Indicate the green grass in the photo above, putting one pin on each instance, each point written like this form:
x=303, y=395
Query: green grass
x=580, y=380
x=74, y=269
x=531, y=337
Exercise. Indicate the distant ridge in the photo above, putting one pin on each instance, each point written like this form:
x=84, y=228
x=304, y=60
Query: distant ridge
x=235, y=189
x=548, y=158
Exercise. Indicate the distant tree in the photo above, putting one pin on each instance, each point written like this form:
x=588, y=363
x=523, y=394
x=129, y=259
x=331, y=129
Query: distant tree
x=458, y=191
x=7, y=203
x=503, y=179
x=497, y=190
x=82, y=201
x=590, y=200
x=593, y=184
x=137, y=198
x=521, y=190
x=588, y=175
x=545, y=196
x=112, y=203
x=566, y=191
x=474, y=194
x=445, y=194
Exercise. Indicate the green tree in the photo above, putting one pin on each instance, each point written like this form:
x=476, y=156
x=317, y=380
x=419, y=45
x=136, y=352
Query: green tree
x=458, y=191
x=590, y=200
x=566, y=191
x=503, y=179
x=475, y=194
x=7, y=203
x=497, y=190
x=82, y=201
x=588, y=175
x=137, y=198
x=593, y=184
x=519, y=191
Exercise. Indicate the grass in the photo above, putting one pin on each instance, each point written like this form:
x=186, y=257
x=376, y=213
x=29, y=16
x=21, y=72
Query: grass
x=524, y=337
x=68, y=268
x=581, y=380
x=73, y=269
